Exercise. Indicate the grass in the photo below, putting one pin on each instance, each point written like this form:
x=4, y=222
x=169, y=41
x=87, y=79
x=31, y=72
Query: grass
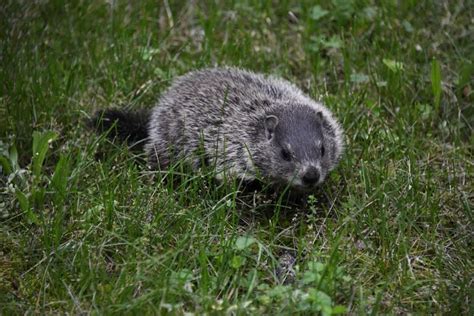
x=86, y=229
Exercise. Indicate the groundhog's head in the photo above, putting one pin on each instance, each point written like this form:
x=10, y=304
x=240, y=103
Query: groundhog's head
x=300, y=146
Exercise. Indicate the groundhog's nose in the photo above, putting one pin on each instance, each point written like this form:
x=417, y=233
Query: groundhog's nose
x=311, y=176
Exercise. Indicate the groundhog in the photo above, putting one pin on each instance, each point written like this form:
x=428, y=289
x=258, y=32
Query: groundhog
x=245, y=125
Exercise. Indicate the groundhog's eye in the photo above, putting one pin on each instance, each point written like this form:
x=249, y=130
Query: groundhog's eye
x=322, y=151
x=285, y=154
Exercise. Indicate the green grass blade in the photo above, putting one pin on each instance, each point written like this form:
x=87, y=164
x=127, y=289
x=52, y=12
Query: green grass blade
x=41, y=141
x=436, y=83
x=25, y=206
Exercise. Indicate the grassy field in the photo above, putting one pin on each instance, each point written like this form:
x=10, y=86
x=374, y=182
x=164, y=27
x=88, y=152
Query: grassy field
x=85, y=228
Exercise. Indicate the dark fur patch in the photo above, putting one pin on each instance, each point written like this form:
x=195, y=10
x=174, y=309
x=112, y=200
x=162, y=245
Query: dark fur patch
x=130, y=126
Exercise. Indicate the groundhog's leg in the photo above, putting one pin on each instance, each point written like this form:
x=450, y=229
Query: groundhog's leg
x=158, y=159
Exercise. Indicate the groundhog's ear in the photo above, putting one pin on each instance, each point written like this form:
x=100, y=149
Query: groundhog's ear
x=325, y=123
x=271, y=122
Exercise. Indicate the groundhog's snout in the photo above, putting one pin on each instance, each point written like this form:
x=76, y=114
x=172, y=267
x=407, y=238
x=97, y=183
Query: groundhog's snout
x=311, y=176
